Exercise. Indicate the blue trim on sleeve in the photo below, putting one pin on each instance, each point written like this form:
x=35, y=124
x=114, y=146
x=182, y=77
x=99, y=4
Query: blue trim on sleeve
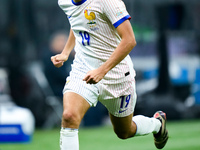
x=116, y=24
x=79, y=3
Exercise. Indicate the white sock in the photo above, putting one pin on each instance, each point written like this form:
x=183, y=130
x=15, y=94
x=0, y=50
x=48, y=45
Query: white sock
x=146, y=125
x=69, y=139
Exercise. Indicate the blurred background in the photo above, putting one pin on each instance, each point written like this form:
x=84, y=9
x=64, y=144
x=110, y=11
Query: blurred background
x=166, y=59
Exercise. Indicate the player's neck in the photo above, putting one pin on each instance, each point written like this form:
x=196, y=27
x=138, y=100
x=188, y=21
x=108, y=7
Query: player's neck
x=76, y=1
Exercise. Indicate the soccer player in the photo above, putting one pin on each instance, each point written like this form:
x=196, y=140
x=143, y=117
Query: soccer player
x=102, y=37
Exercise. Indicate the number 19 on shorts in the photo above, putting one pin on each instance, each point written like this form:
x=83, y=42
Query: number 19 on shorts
x=124, y=103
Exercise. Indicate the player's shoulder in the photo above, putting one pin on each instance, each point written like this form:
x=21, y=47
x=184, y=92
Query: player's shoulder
x=111, y=3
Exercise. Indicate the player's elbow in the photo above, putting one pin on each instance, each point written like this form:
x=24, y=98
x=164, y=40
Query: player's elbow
x=132, y=43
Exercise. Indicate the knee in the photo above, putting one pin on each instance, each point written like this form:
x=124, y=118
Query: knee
x=122, y=135
x=70, y=119
x=125, y=134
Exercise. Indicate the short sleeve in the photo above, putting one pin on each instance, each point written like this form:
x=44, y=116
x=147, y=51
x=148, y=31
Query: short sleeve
x=116, y=11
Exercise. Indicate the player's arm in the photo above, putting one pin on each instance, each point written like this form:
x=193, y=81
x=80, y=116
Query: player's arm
x=59, y=59
x=127, y=43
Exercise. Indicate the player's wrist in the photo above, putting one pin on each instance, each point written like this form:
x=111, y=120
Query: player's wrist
x=103, y=70
x=65, y=56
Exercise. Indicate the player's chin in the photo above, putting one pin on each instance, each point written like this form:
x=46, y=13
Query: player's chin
x=58, y=66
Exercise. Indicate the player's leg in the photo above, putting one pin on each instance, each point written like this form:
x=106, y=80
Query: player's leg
x=74, y=109
x=121, y=114
x=124, y=127
x=129, y=126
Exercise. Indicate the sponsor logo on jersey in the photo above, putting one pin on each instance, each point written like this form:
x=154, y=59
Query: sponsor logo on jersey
x=119, y=13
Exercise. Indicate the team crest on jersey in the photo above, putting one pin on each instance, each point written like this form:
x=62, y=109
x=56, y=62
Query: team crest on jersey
x=91, y=17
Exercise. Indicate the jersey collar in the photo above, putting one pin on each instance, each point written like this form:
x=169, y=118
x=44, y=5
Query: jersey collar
x=79, y=3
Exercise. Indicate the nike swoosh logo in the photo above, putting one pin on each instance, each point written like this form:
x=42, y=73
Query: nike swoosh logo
x=121, y=111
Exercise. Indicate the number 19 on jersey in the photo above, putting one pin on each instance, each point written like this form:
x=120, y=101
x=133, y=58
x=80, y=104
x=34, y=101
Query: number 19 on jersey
x=85, y=38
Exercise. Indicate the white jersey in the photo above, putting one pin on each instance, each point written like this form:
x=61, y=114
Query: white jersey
x=94, y=25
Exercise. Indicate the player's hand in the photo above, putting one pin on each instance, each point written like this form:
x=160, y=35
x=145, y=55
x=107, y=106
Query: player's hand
x=94, y=76
x=58, y=60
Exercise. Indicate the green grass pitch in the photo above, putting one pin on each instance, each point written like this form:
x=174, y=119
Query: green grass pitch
x=183, y=135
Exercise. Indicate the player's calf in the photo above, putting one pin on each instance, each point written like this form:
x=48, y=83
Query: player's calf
x=124, y=127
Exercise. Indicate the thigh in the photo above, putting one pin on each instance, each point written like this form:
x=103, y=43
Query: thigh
x=75, y=107
x=122, y=106
x=88, y=91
